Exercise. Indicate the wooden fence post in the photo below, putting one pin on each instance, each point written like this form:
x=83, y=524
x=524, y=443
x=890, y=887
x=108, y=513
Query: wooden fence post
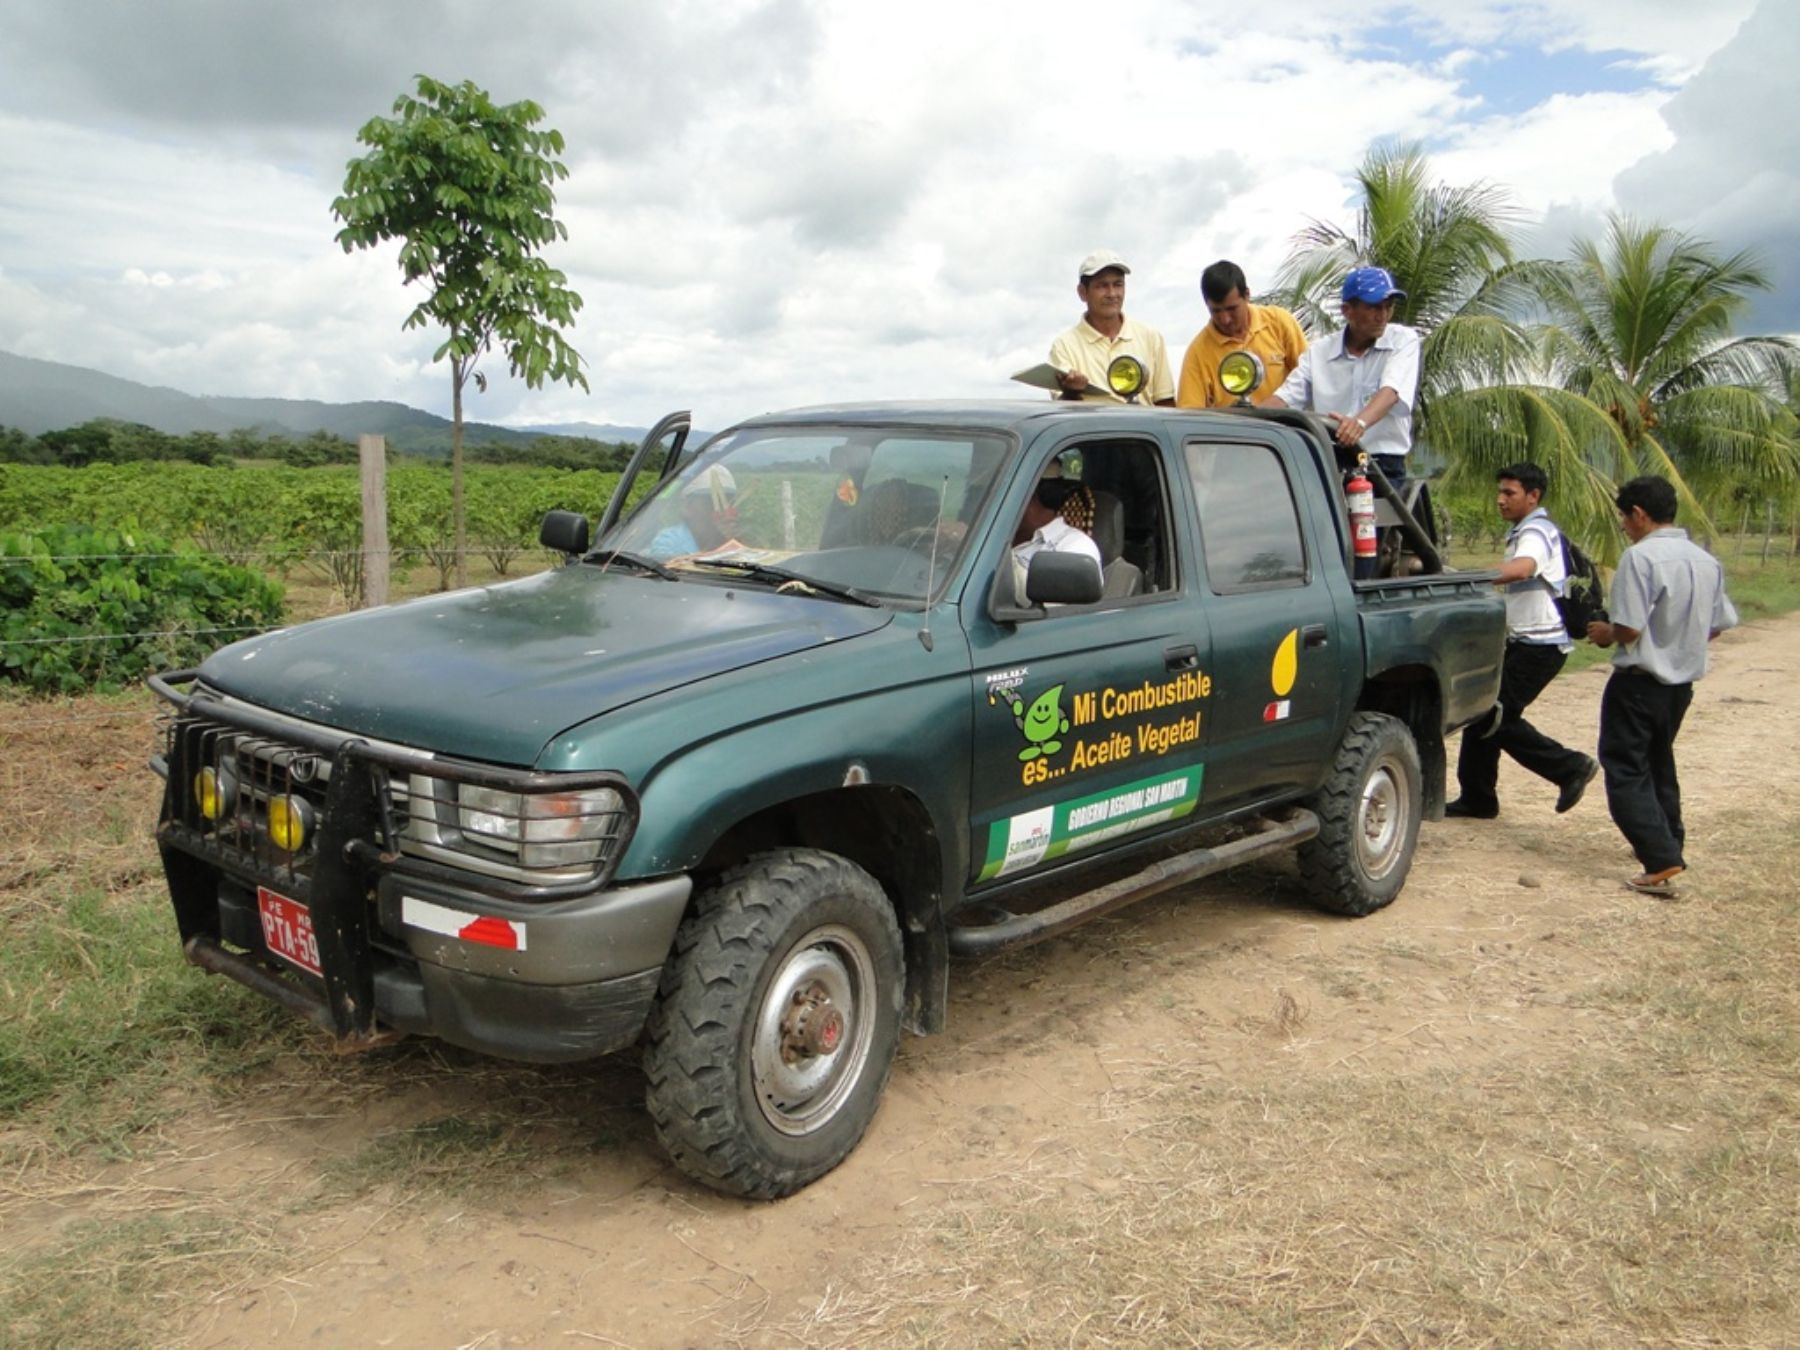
x=372, y=451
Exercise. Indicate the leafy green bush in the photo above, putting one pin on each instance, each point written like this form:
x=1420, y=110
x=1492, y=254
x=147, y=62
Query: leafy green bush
x=84, y=608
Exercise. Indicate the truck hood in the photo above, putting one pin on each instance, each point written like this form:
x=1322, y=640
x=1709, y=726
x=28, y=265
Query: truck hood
x=494, y=673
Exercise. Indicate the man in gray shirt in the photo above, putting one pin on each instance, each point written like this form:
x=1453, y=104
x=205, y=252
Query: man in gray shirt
x=1668, y=601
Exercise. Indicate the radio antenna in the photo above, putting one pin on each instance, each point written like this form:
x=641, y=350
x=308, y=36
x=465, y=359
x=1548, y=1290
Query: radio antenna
x=937, y=532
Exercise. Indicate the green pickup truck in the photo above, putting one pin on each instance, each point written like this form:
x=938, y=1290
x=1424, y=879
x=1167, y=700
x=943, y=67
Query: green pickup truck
x=812, y=716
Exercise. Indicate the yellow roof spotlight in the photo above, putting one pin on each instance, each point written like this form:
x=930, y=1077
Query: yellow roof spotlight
x=1127, y=377
x=1242, y=374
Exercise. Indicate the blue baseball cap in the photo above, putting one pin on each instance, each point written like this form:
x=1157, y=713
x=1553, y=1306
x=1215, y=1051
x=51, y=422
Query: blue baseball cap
x=1371, y=285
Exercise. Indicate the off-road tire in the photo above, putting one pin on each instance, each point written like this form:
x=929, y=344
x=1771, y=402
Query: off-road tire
x=1369, y=812
x=730, y=1107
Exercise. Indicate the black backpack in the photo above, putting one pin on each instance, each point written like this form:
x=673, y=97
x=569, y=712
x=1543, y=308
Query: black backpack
x=1584, y=594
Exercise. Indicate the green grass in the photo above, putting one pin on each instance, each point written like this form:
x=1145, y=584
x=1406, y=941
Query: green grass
x=99, y=1014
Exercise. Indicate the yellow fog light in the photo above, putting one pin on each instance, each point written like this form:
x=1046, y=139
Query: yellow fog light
x=290, y=821
x=1126, y=376
x=215, y=792
x=1242, y=374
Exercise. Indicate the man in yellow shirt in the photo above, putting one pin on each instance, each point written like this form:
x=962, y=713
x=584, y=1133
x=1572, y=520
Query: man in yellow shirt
x=1236, y=325
x=1082, y=354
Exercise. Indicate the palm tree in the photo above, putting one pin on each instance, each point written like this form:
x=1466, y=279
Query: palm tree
x=1641, y=327
x=1482, y=401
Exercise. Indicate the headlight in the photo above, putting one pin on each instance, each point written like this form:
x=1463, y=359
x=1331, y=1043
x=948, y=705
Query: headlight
x=1126, y=376
x=215, y=792
x=560, y=829
x=1242, y=374
x=290, y=821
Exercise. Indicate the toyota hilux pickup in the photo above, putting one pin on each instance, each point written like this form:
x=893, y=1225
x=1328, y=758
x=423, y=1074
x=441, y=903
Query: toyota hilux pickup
x=804, y=717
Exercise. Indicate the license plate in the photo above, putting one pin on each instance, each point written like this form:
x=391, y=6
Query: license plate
x=288, y=930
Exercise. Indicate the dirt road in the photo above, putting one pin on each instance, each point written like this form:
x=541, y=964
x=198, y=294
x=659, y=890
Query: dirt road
x=1184, y=1080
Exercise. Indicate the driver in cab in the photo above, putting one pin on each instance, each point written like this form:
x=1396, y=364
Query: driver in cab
x=1047, y=515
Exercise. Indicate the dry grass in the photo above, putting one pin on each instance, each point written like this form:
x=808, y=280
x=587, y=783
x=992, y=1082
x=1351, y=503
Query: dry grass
x=1633, y=1178
x=130, y=1280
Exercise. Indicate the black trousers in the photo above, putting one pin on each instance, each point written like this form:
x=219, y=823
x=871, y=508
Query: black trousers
x=1524, y=673
x=1639, y=719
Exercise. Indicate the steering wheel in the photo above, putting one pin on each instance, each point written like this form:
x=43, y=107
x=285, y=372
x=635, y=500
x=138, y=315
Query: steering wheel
x=919, y=539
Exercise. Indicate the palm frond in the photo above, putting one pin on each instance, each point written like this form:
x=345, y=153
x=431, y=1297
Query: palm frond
x=1580, y=450
x=1768, y=364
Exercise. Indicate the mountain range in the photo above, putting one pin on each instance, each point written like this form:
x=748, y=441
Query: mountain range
x=39, y=396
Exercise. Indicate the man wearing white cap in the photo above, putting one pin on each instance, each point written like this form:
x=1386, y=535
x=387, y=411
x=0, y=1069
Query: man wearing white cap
x=1104, y=334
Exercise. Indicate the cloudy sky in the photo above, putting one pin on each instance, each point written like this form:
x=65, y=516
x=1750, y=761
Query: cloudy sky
x=774, y=204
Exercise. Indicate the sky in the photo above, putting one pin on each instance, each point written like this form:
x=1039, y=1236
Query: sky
x=786, y=203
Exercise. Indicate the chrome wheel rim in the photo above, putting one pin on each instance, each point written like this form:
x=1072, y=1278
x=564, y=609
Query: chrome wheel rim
x=813, y=1030
x=1381, y=820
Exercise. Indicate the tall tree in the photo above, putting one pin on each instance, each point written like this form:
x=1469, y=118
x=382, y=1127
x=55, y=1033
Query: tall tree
x=465, y=185
x=1482, y=402
x=1641, y=326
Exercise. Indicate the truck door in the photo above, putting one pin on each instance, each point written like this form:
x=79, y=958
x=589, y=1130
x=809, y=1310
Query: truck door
x=1272, y=614
x=1088, y=722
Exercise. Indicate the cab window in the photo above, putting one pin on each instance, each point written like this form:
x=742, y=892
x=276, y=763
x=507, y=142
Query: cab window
x=1123, y=505
x=1249, y=525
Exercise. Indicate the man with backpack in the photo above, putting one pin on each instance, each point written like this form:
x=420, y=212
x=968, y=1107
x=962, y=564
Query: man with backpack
x=1533, y=577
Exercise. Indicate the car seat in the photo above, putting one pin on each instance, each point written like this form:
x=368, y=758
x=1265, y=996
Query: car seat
x=1120, y=579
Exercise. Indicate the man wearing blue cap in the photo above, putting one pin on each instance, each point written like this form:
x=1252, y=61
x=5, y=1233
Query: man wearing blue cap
x=1365, y=376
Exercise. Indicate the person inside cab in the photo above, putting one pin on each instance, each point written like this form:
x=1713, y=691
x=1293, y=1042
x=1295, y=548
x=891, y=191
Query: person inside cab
x=708, y=511
x=1049, y=528
x=1082, y=354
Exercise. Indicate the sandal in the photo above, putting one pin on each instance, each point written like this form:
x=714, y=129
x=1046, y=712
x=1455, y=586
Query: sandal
x=1656, y=883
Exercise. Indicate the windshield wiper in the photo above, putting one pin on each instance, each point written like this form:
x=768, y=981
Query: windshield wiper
x=783, y=575
x=606, y=557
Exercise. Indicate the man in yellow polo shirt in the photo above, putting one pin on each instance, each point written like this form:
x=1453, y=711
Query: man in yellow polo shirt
x=1236, y=325
x=1104, y=334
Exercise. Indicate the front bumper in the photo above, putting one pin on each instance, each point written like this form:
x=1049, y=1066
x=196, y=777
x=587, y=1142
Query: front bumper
x=562, y=970
x=580, y=983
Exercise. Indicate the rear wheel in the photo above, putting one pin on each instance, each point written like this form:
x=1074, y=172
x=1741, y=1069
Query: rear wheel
x=1369, y=811
x=776, y=1023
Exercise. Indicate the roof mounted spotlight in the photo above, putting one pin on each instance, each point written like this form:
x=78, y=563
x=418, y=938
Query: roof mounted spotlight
x=1127, y=377
x=1241, y=373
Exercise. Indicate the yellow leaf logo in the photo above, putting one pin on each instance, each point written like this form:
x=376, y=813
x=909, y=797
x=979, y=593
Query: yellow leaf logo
x=1286, y=665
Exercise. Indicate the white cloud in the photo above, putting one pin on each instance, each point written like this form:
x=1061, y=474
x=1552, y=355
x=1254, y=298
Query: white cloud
x=768, y=205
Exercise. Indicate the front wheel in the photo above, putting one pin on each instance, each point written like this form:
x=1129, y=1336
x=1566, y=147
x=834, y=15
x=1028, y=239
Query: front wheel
x=1369, y=811
x=776, y=1023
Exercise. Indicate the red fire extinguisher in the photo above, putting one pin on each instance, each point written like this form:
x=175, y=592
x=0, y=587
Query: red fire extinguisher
x=1360, y=493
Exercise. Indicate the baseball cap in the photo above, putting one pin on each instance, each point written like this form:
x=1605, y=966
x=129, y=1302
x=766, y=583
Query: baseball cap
x=1371, y=285
x=1101, y=259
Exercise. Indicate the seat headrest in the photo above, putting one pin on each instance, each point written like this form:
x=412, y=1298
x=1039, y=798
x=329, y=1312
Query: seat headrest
x=1109, y=526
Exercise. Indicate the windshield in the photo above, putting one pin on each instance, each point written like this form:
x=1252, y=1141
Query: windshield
x=848, y=507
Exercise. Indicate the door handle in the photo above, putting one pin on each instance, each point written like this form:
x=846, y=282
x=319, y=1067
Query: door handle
x=1315, y=635
x=1184, y=657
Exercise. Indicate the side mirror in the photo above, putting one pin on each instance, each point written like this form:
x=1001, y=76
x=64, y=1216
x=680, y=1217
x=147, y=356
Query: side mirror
x=1052, y=579
x=1063, y=579
x=565, y=532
